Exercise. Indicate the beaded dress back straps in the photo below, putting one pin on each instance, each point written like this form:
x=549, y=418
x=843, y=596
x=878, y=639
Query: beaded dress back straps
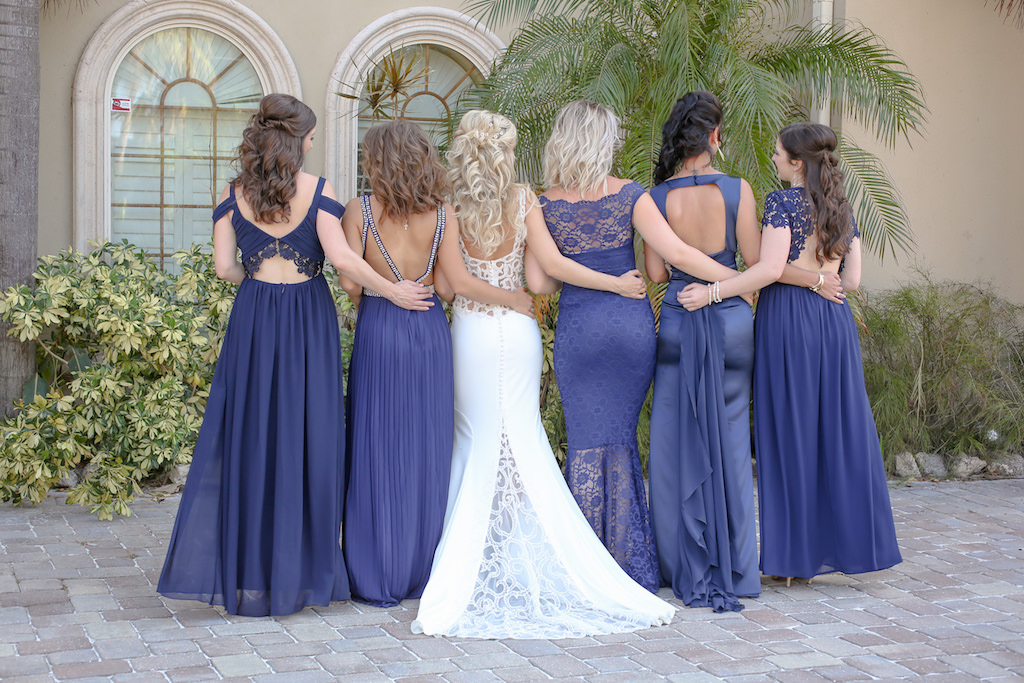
x=371, y=226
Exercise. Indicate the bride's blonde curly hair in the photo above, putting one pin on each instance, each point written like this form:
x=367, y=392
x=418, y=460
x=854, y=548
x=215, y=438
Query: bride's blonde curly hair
x=482, y=176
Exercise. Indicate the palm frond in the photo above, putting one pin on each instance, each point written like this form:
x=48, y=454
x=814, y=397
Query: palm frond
x=884, y=225
x=1011, y=9
x=865, y=79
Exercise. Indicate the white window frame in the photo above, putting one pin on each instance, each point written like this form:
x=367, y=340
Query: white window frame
x=108, y=47
x=407, y=27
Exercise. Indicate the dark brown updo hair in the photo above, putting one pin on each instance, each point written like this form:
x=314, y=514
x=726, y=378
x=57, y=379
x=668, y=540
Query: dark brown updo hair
x=404, y=169
x=815, y=145
x=686, y=133
x=270, y=156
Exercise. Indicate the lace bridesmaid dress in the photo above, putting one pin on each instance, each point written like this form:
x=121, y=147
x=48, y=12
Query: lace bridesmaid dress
x=604, y=362
x=517, y=559
x=258, y=527
x=822, y=493
x=401, y=426
x=702, y=485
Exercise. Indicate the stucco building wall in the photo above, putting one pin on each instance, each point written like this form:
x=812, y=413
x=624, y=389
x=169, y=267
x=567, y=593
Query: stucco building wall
x=962, y=182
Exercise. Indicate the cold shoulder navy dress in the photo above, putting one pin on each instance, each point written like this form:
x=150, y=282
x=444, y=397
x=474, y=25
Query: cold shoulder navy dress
x=401, y=433
x=822, y=494
x=259, y=522
x=702, y=482
x=604, y=361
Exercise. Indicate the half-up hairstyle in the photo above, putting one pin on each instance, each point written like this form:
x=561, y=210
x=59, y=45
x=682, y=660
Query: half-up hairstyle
x=404, y=170
x=482, y=177
x=270, y=156
x=815, y=145
x=578, y=155
x=687, y=132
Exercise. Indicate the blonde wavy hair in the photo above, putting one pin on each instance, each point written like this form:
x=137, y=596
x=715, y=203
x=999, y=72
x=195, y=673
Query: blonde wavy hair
x=578, y=155
x=482, y=177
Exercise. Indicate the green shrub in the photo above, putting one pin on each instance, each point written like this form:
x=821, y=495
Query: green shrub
x=943, y=368
x=125, y=355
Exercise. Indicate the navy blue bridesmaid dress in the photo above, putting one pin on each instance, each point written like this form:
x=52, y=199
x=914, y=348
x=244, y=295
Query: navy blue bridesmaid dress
x=259, y=522
x=604, y=361
x=401, y=433
x=822, y=492
x=702, y=483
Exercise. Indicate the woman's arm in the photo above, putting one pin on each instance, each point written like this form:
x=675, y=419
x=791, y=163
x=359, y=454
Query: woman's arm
x=654, y=264
x=225, y=248
x=656, y=231
x=449, y=260
x=555, y=264
x=537, y=280
x=352, y=267
x=828, y=285
x=774, y=254
x=850, y=274
x=442, y=288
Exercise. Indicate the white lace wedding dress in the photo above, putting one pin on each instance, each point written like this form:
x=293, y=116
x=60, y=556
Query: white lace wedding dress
x=517, y=559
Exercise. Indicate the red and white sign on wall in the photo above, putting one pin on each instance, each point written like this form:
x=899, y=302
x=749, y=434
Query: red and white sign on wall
x=120, y=104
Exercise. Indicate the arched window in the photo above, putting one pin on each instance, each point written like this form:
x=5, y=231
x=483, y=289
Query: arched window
x=457, y=48
x=437, y=77
x=183, y=97
x=191, y=73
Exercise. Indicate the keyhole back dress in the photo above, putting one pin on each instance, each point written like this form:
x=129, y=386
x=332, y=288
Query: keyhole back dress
x=258, y=526
x=702, y=486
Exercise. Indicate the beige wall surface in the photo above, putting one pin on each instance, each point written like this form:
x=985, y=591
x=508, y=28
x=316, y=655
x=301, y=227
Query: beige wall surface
x=962, y=182
x=314, y=33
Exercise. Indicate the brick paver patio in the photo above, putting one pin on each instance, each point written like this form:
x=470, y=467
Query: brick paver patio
x=77, y=601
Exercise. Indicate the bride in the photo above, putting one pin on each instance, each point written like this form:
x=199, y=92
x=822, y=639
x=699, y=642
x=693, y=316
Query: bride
x=517, y=558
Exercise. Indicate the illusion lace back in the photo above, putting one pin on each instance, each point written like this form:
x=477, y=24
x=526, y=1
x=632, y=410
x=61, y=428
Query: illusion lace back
x=517, y=558
x=505, y=272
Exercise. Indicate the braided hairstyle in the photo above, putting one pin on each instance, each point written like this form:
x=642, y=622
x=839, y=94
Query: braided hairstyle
x=482, y=177
x=687, y=132
x=270, y=156
x=815, y=145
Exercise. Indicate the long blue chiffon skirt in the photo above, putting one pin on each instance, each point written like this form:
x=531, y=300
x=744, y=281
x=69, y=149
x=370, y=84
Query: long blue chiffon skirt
x=401, y=433
x=822, y=493
x=702, y=483
x=258, y=526
x=604, y=361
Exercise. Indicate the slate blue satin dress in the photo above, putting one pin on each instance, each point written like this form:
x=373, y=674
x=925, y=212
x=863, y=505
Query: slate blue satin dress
x=604, y=361
x=401, y=408
x=258, y=526
x=822, y=493
x=702, y=485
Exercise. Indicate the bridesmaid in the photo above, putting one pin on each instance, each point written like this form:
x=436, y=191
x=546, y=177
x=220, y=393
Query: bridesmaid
x=702, y=484
x=604, y=343
x=401, y=395
x=258, y=525
x=823, y=498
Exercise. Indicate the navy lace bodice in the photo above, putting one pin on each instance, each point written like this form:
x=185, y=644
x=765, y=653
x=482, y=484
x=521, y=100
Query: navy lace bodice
x=788, y=209
x=585, y=226
x=301, y=245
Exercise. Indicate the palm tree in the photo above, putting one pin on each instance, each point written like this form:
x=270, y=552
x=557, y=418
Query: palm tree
x=1011, y=8
x=639, y=56
x=19, y=178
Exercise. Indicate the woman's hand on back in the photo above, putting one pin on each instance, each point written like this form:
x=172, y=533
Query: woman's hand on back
x=632, y=285
x=410, y=295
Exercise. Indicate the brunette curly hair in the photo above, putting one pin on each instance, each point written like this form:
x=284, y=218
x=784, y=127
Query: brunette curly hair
x=815, y=145
x=270, y=156
x=404, y=169
x=482, y=177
